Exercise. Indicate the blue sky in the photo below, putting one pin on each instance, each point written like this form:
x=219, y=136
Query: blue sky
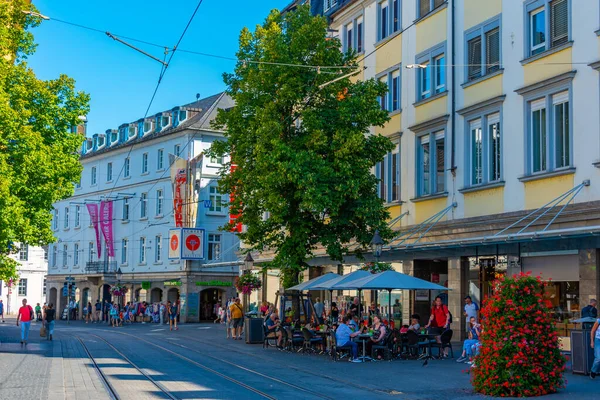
x=120, y=80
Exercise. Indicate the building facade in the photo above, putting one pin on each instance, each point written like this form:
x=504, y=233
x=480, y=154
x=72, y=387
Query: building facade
x=494, y=110
x=132, y=167
x=32, y=279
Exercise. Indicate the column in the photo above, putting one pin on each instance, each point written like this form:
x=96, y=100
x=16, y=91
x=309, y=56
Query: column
x=457, y=277
x=589, y=276
x=407, y=295
x=183, y=296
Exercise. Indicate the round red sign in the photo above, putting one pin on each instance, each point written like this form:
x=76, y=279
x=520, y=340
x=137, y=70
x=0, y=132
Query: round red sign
x=192, y=242
x=174, y=242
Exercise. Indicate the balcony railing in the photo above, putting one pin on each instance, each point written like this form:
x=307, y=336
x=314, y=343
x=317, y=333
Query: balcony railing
x=101, y=267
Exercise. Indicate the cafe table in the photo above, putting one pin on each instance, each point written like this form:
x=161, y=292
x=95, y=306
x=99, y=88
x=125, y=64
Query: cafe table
x=364, y=338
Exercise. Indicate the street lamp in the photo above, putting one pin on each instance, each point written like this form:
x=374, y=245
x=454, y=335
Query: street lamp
x=248, y=263
x=377, y=245
x=119, y=275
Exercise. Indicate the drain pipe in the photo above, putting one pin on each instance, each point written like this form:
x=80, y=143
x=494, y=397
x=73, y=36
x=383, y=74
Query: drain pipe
x=453, y=69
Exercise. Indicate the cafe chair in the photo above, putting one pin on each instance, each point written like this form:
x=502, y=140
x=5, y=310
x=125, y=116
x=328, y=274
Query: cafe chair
x=414, y=344
x=309, y=341
x=294, y=341
x=385, y=346
x=338, y=352
x=445, y=339
x=269, y=338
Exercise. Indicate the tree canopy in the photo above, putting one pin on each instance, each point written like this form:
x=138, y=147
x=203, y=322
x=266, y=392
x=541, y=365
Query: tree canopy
x=303, y=152
x=39, y=159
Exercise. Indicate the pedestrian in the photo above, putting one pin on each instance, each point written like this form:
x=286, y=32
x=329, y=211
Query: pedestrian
x=595, y=343
x=228, y=318
x=89, y=312
x=219, y=315
x=2, y=310
x=471, y=310
x=161, y=312
x=38, y=312
x=106, y=311
x=72, y=309
x=173, y=311
x=25, y=316
x=319, y=309
x=237, y=315
x=49, y=317
x=590, y=311
x=98, y=307
x=113, y=315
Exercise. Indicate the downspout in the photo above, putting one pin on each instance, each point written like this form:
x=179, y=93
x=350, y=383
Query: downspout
x=453, y=69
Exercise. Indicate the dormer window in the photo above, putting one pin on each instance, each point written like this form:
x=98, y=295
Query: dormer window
x=182, y=115
x=101, y=141
x=165, y=122
x=113, y=137
x=122, y=133
x=132, y=132
x=148, y=125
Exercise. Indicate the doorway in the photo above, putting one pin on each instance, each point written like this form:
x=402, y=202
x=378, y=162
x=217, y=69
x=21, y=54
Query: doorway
x=156, y=295
x=106, y=293
x=435, y=271
x=53, y=297
x=173, y=295
x=209, y=304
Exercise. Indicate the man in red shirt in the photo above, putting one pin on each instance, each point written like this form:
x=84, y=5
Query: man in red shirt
x=439, y=320
x=25, y=316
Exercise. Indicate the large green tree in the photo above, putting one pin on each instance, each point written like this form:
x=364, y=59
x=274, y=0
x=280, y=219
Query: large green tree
x=39, y=160
x=303, y=151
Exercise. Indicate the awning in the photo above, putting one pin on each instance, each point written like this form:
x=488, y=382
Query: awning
x=340, y=282
x=390, y=280
x=309, y=285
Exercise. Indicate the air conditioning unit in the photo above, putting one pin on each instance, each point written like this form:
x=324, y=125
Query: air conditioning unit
x=582, y=354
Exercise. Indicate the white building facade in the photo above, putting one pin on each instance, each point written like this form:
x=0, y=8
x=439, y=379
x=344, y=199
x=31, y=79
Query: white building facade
x=131, y=167
x=32, y=279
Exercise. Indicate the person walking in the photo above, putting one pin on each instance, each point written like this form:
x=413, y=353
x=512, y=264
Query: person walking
x=595, y=343
x=173, y=310
x=2, y=310
x=161, y=313
x=236, y=319
x=25, y=315
x=114, y=314
x=98, y=310
x=38, y=312
x=49, y=317
x=590, y=311
x=89, y=312
x=471, y=310
x=105, y=311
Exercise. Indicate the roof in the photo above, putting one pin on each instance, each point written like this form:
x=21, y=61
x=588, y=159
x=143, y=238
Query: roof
x=206, y=112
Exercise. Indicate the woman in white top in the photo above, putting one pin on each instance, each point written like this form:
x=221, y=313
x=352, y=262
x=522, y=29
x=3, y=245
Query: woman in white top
x=595, y=343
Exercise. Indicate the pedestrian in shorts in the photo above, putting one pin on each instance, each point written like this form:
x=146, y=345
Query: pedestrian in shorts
x=237, y=316
x=2, y=310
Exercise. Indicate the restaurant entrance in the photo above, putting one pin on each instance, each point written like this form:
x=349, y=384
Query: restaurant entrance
x=209, y=300
x=435, y=271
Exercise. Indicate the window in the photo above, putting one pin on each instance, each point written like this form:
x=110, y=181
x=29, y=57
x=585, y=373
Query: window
x=215, y=200
x=144, y=206
x=383, y=100
x=54, y=256
x=395, y=174
x=159, y=202
x=144, y=163
x=56, y=219
x=142, y=250
x=214, y=247
x=109, y=171
x=124, y=251
x=388, y=18
x=426, y=6
x=391, y=101
x=77, y=216
x=431, y=72
x=76, y=254
x=353, y=35
x=383, y=20
x=182, y=115
x=148, y=125
x=44, y=290
x=158, y=249
x=216, y=160
x=382, y=185
x=176, y=149
x=166, y=121
x=396, y=15
x=483, y=50
x=349, y=36
x=544, y=32
x=431, y=157
x=23, y=287
x=65, y=253
x=91, y=251
x=549, y=132
x=132, y=130
x=476, y=153
x=328, y=4
x=93, y=176
x=78, y=184
x=66, y=221
x=125, y=209
x=126, y=168
x=45, y=253
x=160, y=162
x=24, y=252
x=388, y=171
x=359, y=35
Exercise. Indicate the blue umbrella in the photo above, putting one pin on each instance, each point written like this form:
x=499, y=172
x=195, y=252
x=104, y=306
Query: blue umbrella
x=390, y=280
x=311, y=284
x=340, y=282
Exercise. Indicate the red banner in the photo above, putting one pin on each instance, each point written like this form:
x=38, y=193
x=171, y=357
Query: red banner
x=180, y=180
x=234, y=214
x=106, y=225
x=93, y=211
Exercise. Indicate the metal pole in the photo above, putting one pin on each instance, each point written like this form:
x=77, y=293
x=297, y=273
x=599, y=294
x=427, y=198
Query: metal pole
x=68, y=299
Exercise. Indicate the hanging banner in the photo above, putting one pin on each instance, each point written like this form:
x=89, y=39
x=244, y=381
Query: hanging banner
x=174, y=244
x=178, y=179
x=93, y=211
x=192, y=244
x=234, y=214
x=106, y=225
x=195, y=181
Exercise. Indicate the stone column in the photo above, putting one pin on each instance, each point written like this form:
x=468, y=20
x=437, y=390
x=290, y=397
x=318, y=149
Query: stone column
x=589, y=276
x=457, y=277
x=183, y=295
x=407, y=295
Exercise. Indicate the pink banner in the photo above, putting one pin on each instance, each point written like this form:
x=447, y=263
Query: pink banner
x=106, y=225
x=93, y=211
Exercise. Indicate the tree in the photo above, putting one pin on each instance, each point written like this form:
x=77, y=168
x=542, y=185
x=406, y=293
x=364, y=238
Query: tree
x=39, y=159
x=519, y=354
x=302, y=155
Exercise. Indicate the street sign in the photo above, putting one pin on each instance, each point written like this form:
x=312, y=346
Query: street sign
x=192, y=247
x=65, y=292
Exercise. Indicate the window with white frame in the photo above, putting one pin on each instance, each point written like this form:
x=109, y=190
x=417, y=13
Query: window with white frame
x=216, y=160
x=23, y=287
x=384, y=20
x=65, y=254
x=144, y=163
x=160, y=162
x=182, y=115
x=485, y=149
x=76, y=254
x=142, y=250
x=124, y=243
x=109, y=172
x=215, y=199
x=45, y=253
x=66, y=220
x=380, y=171
x=394, y=179
x=126, y=167
x=148, y=125
x=159, y=202
x=214, y=246
x=547, y=25
x=24, y=252
x=483, y=49
x=45, y=288
x=328, y=4
x=125, y=209
x=176, y=149
x=158, y=249
x=78, y=183
x=91, y=251
x=56, y=213
x=427, y=6
x=391, y=78
x=353, y=35
x=144, y=205
x=388, y=173
x=431, y=72
x=388, y=18
x=431, y=171
x=77, y=216
x=93, y=178
x=54, y=256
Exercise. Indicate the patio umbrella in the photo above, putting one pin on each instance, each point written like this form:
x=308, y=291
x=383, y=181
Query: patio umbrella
x=310, y=285
x=339, y=283
x=390, y=280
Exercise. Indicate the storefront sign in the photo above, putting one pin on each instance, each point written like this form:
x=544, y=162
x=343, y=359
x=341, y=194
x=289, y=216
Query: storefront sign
x=172, y=283
x=214, y=283
x=192, y=244
x=422, y=295
x=146, y=285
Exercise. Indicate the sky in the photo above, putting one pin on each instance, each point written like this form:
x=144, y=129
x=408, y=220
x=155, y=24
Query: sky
x=120, y=80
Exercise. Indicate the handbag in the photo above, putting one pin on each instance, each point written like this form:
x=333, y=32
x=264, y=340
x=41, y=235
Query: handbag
x=43, y=331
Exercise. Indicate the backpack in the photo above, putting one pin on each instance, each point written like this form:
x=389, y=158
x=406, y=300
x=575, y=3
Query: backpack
x=450, y=317
x=31, y=313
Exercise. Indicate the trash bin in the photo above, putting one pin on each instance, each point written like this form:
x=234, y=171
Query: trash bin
x=254, y=330
x=582, y=354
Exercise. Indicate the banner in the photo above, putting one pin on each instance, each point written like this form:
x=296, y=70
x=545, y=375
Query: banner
x=93, y=211
x=192, y=244
x=106, y=225
x=174, y=244
x=195, y=183
x=178, y=171
x=234, y=214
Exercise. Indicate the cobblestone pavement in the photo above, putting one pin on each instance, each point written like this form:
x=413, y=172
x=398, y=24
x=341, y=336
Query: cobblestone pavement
x=197, y=362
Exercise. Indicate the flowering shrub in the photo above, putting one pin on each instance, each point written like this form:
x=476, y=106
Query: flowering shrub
x=118, y=290
x=519, y=353
x=247, y=283
x=376, y=267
